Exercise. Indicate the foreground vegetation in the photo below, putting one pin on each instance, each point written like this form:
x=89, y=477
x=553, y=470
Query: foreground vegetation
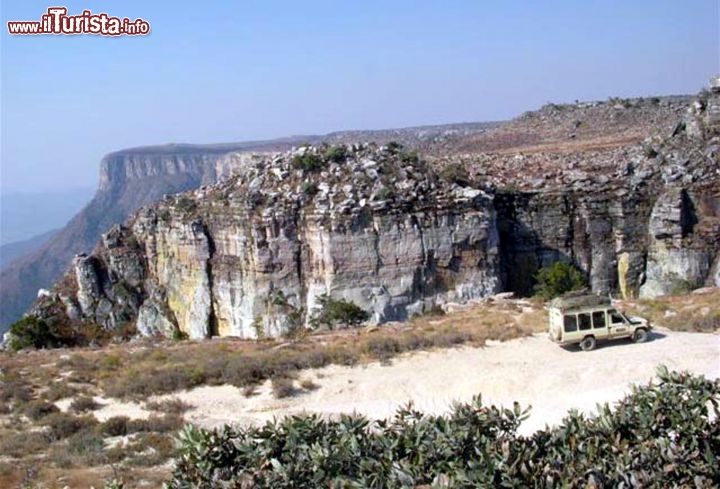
x=664, y=435
x=54, y=431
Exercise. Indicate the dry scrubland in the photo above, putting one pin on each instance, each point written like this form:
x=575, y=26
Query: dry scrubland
x=77, y=417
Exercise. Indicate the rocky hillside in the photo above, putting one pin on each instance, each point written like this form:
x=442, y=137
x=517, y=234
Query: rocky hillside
x=582, y=126
x=380, y=227
x=138, y=176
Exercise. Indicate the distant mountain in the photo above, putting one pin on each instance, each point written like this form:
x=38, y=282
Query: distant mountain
x=11, y=251
x=26, y=215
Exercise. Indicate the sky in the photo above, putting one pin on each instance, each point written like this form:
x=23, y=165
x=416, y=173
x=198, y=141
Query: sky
x=224, y=71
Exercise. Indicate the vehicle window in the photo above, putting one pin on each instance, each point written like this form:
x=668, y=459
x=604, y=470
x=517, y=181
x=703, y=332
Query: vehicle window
x=570, y=323
x=598, y=318
x=616, y=318
x=584, y=320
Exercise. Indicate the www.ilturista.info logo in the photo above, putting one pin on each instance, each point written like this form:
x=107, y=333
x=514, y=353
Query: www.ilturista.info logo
x=56, y=21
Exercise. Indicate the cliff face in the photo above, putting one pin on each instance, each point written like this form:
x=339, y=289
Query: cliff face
x=135, y=177
x=381, y=228
x=631, y=244
x=128, y=179
x=245, y=257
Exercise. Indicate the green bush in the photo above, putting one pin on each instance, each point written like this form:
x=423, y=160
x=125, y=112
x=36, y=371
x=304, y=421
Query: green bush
x=334, y=312
x=455, y=173
x=186, y=204
x=31, y=332
x=336, y=154
x=179, y=335
x=308, y=162
x=309, y=188
x=557, y=279
x=660, y=435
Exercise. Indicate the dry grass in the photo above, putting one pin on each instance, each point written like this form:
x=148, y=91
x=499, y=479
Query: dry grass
x=168, y=406
x=74, y=447
x=697, y=312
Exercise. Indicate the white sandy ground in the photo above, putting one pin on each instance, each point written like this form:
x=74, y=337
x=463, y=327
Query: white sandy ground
x=532, y=371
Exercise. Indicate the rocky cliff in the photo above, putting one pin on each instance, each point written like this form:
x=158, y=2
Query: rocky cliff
x=128, y=179
x=396, y=235
x=251, y=255
x=134, y=177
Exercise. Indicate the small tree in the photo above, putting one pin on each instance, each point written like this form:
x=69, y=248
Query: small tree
x=558, y=278
x=333, y=312
x=31, y=332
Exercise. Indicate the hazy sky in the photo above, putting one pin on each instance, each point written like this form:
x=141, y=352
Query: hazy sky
x=235, y=70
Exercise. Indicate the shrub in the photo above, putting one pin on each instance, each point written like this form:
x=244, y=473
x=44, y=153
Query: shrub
x=283, y=387
x=455, y=173
x=158, y=424
x=309, y=188
x=115, y=426
x=83, y=404
x=31, y=332
x=557, y=279
x=185, y=204
x=660, y=435
x=680, y=286
x=14, y=388
x=169, y=406
x=383, y=347
x=36, y=410
x=333, y=312
x=178, y=335
x=650, y=152
x=309, y=385
x=86, y=446
x=22, y=444
x=59, y=390
x=336, y=154
x=63, y=425
x=154, y=449
x=114, y=484
x=308, y=161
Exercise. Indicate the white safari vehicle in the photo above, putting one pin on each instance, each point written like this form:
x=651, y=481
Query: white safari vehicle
x=586, y=319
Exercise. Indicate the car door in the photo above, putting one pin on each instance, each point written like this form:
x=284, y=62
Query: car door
x=600, y=324
x=617, y=324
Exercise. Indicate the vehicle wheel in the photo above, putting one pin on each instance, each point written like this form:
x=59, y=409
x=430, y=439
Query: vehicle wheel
x=588, y=343
x=640, y=335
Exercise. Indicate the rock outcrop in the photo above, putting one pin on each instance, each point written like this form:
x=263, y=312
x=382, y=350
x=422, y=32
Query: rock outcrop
x=377, y=226
x=374, y=226
x=134, y=177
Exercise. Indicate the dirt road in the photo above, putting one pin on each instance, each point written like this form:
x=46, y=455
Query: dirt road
x=531, y=370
